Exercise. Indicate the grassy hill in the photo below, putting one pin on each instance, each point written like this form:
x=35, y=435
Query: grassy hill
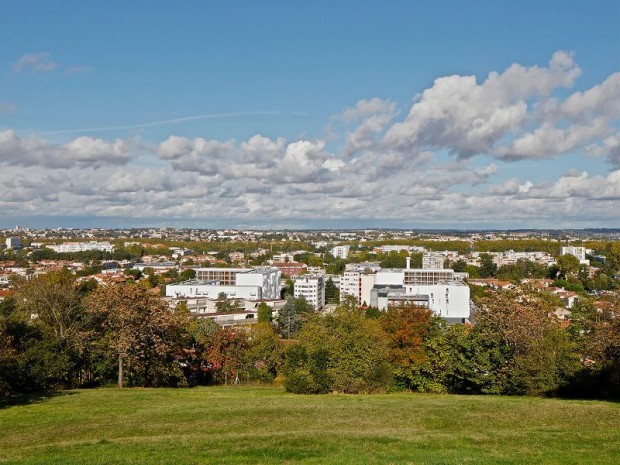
x=249, y=425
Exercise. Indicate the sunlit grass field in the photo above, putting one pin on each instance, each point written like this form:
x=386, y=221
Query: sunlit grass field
x=251, y=425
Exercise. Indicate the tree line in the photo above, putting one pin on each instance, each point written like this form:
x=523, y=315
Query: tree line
x=56, y=334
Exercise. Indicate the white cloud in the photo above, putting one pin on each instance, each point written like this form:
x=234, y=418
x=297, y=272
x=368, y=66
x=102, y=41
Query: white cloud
x=34, y=63
x=382, y=169
x=34, y=151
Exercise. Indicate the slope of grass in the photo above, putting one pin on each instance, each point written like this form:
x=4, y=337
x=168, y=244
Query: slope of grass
x=249, y=425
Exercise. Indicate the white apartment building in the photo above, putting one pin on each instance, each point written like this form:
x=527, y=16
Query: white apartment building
x=439, y=290
x=359, y=284
x=341, y=251
x=433, y=261
x=511, y=257
x=449, y=299
x=312, y=288
x=246, y=283
x=579, y=252
x=71, y=247
x=13, y=242
x=399, y=248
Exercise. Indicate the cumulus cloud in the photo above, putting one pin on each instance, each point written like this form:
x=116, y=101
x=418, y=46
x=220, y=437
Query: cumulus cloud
x=468, y=118
x=443, y=161
x=32, y=150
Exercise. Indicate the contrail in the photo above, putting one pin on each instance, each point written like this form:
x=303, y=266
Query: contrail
x=168, y=121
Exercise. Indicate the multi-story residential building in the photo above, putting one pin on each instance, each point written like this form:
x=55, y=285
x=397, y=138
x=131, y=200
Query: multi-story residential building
x=358, y=284
x=433, y=261
x=399, y=248
x=72, y=247
x=246, y=283
x=579, y=252
x=312, y=288
x=341, y=251
x=13, y=242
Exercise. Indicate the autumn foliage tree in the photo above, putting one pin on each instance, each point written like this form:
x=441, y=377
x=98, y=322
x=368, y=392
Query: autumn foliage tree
x=141, y=332
x=406, y=328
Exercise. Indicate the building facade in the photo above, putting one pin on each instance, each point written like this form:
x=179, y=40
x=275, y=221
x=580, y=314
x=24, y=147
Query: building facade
x=312, y=288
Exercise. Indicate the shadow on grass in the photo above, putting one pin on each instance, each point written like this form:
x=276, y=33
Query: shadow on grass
x=31, y=398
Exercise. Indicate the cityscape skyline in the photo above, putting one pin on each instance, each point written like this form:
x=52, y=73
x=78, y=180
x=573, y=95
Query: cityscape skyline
x=281, y=116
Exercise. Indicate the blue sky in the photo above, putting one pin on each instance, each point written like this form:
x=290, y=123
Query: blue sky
x=289, y=72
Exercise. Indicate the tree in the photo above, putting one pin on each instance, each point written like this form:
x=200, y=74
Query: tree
x=226, y=305
x=227, y=352
x=188, y=274
x=292, y=315
x=539, y=355
x=406, y=328
x=264, y=313
x=54, y=301
x=265, y=355
x=460, y=265
x=141, y=332
x=332, y=294
x=567, y=265
x=343, y=351
x=57, y=344
x=487, y=267
x=394, y=260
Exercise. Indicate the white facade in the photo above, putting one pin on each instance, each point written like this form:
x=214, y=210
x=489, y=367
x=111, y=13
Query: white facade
x=448, y=299
x=357, y=284
x=579, y=252
x=312, y=288
x=247, y=283
x=439, y=290
x=71, y=247
x=13, y=242
x=195, y=289
x=341, y=251
x=433, y=261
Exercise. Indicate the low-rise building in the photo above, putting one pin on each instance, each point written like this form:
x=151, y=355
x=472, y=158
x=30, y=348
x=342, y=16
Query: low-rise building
x=72, y=247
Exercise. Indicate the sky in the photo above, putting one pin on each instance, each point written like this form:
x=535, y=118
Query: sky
x=290, y=114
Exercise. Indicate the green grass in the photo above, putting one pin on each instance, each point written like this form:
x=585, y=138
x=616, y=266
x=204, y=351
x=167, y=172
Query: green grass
x=249, y=425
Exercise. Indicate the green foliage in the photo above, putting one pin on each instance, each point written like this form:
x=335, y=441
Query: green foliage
x=372, y=312
x=522, y=269
x=567, y=265
x=265, y=355
x=264, y=313
x=186, y=275
x=332, y=294
x=393, y=260
x=343, y=352
x=226, y=305
x=292, y=316
x=487, y=268
x=306, y=370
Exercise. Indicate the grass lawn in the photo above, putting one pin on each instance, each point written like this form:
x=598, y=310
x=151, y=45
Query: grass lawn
x=249, y=425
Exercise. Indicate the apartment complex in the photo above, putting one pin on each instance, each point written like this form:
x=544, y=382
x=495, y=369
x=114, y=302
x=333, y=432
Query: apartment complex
x=579, y=252
x=72, y=247
x=341, y=251
x=245, y=283
x=312, y=288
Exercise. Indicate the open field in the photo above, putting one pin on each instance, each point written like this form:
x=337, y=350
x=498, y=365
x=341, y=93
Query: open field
x=248, y=425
